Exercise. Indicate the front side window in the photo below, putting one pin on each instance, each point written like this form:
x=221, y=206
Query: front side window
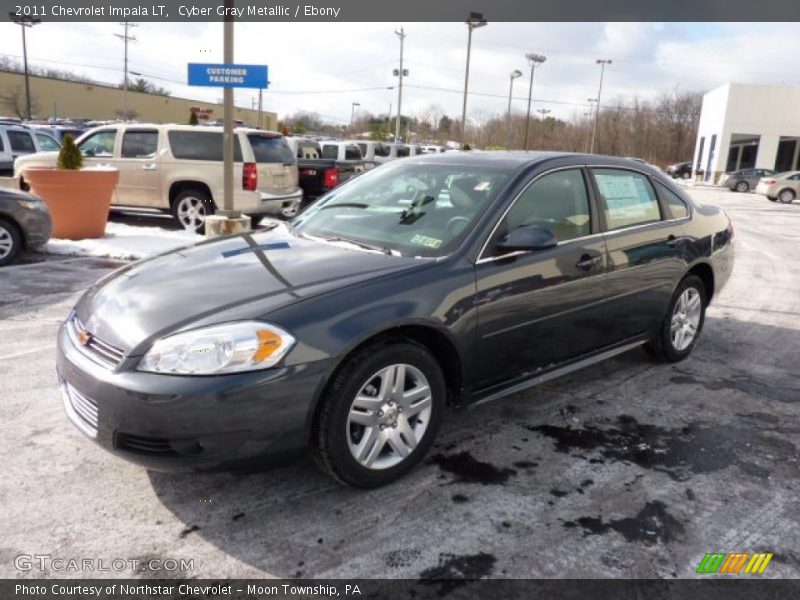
x=410, y=209
x=139, y=144
x=556, y=201
x=20, y=141
x=100, y=144
x=46, y=143
x=627, y=198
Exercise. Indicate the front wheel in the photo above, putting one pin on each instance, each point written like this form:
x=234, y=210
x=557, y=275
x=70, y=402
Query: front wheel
x=381, y=414
x=742, y=186
x=190, y=209
x=681, y=327
x=10, y=242
x=786, y=196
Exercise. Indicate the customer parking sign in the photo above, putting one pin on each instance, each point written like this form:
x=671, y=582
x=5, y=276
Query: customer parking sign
x=228, y=75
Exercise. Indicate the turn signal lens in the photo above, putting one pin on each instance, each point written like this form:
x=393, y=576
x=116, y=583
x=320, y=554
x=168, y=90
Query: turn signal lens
x=226, y=348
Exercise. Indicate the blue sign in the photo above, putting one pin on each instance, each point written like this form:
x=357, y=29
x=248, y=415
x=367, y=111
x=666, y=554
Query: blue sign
x=228, y=76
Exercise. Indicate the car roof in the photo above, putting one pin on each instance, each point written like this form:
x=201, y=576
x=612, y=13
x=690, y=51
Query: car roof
x=182, y=127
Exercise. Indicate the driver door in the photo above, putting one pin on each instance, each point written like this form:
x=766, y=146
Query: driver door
x=537, y=309
x=98, y=151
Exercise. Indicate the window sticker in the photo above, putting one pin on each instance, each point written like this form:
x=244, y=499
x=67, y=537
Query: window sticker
x=625, y=196
x=482, y=186
x=424, y=240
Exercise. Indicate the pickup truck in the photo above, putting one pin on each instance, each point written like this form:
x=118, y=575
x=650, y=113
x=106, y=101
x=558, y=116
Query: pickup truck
x=318, y=175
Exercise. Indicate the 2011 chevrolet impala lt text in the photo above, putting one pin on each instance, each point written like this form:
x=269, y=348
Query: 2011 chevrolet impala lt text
x=448, y=279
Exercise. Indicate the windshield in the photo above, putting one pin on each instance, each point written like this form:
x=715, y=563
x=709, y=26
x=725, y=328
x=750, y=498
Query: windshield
x=416, y=209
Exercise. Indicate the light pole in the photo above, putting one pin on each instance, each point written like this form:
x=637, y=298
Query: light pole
x=401, y=72
x=125, y=38
x=352, y=113
x=474, y=21
x=602, y=62
x=534, y=60
x=544, y=112
x=589, y=114
x=513, y=75
x=25, y=22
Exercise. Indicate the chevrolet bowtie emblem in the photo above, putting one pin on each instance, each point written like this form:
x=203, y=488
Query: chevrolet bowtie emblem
x=84, y=338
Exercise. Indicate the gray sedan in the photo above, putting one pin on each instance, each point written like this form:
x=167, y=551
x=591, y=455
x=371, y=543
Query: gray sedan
x=745, y=180
x=24, y=223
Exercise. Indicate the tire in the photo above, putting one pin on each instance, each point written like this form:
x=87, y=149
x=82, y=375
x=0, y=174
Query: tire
x=190, y=209
x=346, y=429
x=686, y=175
x=742, y=187
x=664, y=346
x=786, y=196
x=255, y=220
x=10, y=242
x=771, y=199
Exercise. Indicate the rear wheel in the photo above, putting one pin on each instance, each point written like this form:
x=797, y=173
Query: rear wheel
x=190, y=209
x=786, y=196
x=10, y=242
x=686, y=174
x=742, y=186
x=381, y=414
x=681, y=327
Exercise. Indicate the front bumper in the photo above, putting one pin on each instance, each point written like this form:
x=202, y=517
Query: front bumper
x=179, y=423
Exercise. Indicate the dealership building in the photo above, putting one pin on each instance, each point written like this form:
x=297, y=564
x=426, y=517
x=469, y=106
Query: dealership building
x=748, y=126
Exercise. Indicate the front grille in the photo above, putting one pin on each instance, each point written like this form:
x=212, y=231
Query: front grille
x=101, y=351
x=144, y=445
x=81, y=409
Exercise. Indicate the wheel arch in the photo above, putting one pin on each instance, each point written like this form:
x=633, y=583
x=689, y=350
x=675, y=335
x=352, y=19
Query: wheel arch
x=705, y=272
x=176, y=187
x=23, y=235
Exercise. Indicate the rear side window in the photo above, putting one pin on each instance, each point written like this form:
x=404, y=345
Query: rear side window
x=627, y=198
x=403, y=151
x=675, y=204
x=139, y=144
x=308, y=150
x=201, y=145
x=270, y=149
x=20, y=141
x=352, y=153
x=382, y=150
x=363, y=149
x=330, y=151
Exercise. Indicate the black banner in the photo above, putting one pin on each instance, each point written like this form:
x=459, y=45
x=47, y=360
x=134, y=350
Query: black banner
x=403, y=10
x=733, y=588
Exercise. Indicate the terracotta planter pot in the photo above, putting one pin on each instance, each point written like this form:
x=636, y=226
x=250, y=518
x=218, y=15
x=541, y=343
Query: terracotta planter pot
x=78, y=200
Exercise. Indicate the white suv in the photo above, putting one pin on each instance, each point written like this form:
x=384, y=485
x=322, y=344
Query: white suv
x=178, y=168
x=19, y=140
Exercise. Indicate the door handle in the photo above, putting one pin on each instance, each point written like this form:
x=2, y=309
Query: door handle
x=587, y=262
x=149, y=167
x=672, y=241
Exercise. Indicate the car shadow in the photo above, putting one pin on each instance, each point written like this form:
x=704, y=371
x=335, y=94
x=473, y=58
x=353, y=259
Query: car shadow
x=521, y=479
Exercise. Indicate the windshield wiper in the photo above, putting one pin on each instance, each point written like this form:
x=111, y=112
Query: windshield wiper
x=364, y=245
x=345, y=205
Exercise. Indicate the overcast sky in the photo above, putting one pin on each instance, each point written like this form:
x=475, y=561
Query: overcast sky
x=353, y=62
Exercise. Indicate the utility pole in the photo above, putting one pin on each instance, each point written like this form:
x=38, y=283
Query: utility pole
x=514, y=74
x=126, y=38
x=227, y=114
x=602, y=63
x=534, y=60
x=544, y=112
x=260, y=106
x=25, y=22
x=353, y=114
x=474, y=21
x=589, y=114
x=401, y=72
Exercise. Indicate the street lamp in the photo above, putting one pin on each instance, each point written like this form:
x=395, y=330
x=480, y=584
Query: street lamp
x=352, y=113
x=474, y=21
x=544, y=112
x=534, y=60
x=514, y=74
x=602, y=62
x=25, y=22
x=589, y=114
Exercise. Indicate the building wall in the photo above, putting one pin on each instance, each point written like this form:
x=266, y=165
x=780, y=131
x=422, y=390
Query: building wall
x=766, y=111
x=68, y=99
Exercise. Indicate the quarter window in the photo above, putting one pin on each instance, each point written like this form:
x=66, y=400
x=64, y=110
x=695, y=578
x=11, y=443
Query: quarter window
x=20, y=141
x=627, y=198
x=675, y=204
x=100, y=144
x=139, y=144
x=201, y=145
x=557, y=201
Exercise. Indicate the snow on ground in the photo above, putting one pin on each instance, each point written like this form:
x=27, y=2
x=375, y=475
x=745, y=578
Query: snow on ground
x=124, y=242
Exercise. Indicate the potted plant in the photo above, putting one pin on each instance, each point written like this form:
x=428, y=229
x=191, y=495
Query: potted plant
x=78, y=198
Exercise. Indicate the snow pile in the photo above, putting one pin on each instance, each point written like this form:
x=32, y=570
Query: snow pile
x=124, y=242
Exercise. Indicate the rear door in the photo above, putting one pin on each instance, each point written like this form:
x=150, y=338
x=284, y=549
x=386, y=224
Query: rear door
x=275, y=163
x=645, y=245
x=21, y=142
x=538, y=309
x=139, y=183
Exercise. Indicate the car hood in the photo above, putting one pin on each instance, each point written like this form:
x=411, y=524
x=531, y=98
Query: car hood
x=38, y=159
x=231, y=278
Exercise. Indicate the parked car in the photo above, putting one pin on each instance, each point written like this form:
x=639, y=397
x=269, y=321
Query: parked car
x=781, y=186
x=24, y=223
x=745, y=180
x=682, y=170
x=319, y=175
x=178, y=168
x=351, y=330
x=20, y=140
x=58, y=132
x=374, y=153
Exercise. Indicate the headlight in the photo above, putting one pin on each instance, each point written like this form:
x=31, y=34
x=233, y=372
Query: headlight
x=32, y=204
x=227, y=348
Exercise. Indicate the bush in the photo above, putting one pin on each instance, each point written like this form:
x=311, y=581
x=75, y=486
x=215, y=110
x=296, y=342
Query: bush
x=69, y=157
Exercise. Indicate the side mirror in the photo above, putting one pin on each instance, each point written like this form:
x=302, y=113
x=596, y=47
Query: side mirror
x=528, y=238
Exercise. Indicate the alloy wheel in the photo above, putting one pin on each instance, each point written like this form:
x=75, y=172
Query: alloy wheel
x=389, y=416
x=686, y=319
x=786, y=196
x=741, y=186
x=191, y=213
x=6, y=242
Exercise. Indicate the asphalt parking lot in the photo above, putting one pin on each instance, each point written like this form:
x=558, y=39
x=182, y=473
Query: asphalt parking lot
x=627, y=469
